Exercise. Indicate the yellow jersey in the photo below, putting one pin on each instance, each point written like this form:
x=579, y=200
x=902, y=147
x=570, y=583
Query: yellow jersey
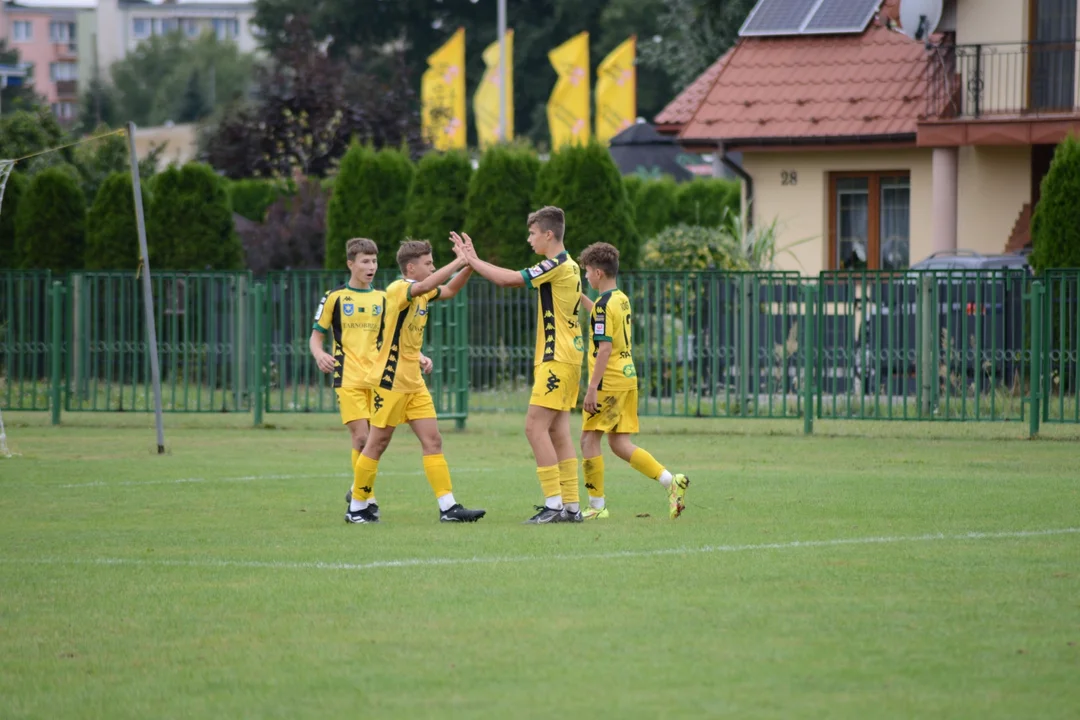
x=352, y=317
x=397, y=366
x=610, y=321
x=557, y=280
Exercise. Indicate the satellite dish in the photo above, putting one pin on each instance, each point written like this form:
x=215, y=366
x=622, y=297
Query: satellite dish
x=920, y=18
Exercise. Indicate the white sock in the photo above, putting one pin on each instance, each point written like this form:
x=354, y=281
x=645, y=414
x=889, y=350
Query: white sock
x=573, y=508
x=355, y=505
x=447, y=501
x=597, y=503
x=554, y=502
x=666, y=478
x=372, y=501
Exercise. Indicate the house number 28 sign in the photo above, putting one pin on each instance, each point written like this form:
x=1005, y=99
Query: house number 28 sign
x=789, y=177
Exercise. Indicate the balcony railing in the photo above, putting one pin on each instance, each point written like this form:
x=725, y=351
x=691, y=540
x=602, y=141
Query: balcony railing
x=1019, y=79
x=67, y=88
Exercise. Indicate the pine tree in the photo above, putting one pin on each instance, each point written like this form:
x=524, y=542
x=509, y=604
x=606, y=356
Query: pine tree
x=437, y=201
x=50, y=223
x=16, y=188
x=1055, y=225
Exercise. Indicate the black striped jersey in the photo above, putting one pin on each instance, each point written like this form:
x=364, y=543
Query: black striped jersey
x=352, y=317
x=397, y=366
x=610, y=320
x=557, y=282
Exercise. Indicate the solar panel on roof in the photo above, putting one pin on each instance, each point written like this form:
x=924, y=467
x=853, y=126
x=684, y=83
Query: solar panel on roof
x=777, y=17
x=841, y=16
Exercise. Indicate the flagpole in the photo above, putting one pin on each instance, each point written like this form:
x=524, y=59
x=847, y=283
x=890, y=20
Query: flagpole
x=502, y=70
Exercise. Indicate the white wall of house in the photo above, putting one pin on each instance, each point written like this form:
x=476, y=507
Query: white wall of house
x=991, y=21
x=802, y=210
x=993, y=184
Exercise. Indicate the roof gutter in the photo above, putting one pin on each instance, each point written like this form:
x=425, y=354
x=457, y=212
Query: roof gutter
x=820, y=141
x=721, y=154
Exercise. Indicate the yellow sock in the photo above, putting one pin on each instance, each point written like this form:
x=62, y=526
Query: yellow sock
x=363, y=484
x=568, y=480
x=594, y=476
x=549, y=480
x=438, y=474
x=646, y=464
x=355, y=457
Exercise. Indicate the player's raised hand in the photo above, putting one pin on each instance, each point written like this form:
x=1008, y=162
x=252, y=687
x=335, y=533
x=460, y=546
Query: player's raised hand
x=465, y=244
x=426, y=364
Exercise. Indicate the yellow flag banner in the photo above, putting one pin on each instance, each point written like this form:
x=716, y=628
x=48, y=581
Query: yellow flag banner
x=616, y=91
x=442, y=95
x=486, y=99
x=568, y=108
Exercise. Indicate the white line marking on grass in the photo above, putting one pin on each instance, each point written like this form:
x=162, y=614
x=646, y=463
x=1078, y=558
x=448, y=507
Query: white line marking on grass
x=516, y=559
x=253, y=478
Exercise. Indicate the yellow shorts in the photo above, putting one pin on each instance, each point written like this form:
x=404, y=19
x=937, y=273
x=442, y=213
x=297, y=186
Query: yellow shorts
x=390, y=409
x=555, y=385
x=616, y=412
x=355, y=404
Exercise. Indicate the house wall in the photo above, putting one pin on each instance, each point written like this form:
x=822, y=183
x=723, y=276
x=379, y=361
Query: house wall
x=991, y=21
x=801, y=210
x=993, y=184
x=40, y=50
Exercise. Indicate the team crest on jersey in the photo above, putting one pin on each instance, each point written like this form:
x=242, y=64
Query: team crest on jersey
x=348, y=308
x=376, y=310
x=599, y=328
x=421, y=312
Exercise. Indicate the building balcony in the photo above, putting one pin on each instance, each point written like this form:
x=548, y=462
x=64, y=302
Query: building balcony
x=67, y=88
x=66, y=50
x=1024, y=81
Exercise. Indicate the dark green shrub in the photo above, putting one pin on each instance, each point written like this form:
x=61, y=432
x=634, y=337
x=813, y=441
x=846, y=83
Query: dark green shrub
x=1055, y=225
x=655, y=206
x=112, y=236
x=190, y=224
x=17, y=185
x=251, y=197
x=702, y=201
x=437, y=201
x=50, y=223
x=499, y=203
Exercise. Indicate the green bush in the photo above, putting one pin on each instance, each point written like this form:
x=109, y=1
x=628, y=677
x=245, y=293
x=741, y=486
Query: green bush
x=251, y=197
x=17, y=184
x=499, y=203
x=112, y=236
x=1055, y=225
x=633, y=185
x=437, y=201
x=190, y=225
x=51, y=221
x=585, y=182
x=702, y=201
x=654, y=209
x=692, y=247
x=369, y=198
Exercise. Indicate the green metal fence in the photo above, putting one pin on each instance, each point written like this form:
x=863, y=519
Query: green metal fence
x=931, y=346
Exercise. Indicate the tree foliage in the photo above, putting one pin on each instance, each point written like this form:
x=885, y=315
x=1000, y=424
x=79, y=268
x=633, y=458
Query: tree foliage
x=112, y=235
x=586, y=184
x=704, y=201
x=29, y=131
x=691, y=247
x=190, y=224
x=693, y=35
x=252, y=197
x=370, y=196
x=499, y=201
x=50, y=223
x=655, y=206
x=172, y=77
x=1055, y=225
x=16, y=188
x=310, y=105
x=437, y=200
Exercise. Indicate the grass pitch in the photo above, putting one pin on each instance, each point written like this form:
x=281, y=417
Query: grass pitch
x=870, y=571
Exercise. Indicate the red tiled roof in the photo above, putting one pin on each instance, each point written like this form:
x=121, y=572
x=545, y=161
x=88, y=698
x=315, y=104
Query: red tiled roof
x=809, y=87
x=682, y=108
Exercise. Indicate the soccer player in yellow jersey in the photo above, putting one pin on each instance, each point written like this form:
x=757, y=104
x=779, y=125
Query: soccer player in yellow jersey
x=611, y=401
x=557, y=364
x=398, y=392
x=351, y=316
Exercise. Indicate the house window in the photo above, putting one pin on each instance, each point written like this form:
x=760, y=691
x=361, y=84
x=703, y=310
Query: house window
x=869, y=221
x=140, y=28
x=226, y=29
x=61, y=32
x=190, y=27
x=63, y=71
x=63, y=110
x=22, y=31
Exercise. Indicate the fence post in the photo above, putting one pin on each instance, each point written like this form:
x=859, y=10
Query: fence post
x=1037, y=293
x=57, y=348
x=257, y=294
x=746, y=316
x=461, y=348
x=809, y=355
x=927, y=370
